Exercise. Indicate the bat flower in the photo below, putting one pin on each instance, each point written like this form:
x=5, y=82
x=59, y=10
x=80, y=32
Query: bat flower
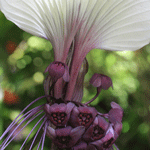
x=74, y=27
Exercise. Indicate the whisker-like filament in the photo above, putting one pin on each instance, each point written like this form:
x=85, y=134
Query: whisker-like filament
x=15, y=122
x=7, y=139
x=39, y=143
x=37, y=131
x=31, y=131
x=44, y=134
x=22, y=113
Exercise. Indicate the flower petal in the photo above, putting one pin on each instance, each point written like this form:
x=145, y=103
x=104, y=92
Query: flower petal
x=81, y=146
x=76, y=133
x=127, y=26
x=115, y=25
x=110, y=25
x=55, y=20
x=51, y=133
x=23, y=14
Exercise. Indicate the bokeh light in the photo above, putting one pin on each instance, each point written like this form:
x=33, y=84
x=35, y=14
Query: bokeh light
x=38, y=77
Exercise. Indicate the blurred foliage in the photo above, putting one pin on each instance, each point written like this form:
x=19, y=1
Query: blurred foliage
x=23, y=59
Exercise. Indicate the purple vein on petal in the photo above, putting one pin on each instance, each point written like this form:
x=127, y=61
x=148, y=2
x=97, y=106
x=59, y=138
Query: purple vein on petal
x=38, y=130
x=5, y=145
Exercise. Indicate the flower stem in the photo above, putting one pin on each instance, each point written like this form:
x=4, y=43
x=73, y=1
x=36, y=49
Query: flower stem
x=75, y=68
x=58, y=89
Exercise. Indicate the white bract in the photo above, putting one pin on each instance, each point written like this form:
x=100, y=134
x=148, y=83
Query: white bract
x=104, y=24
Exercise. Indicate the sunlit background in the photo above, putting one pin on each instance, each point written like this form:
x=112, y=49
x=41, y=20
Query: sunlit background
x=23, y=59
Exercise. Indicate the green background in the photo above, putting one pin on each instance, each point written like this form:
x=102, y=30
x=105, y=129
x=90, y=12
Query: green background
x=23, y=59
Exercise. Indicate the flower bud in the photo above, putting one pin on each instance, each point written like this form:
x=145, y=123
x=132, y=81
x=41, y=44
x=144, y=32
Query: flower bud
x=57, y=70
x=101, y=81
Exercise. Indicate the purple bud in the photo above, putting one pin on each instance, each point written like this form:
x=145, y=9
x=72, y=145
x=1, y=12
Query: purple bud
x=57, y=70
x=59, y=114
x=83, y=116
x=97, y=130
x=100, y=80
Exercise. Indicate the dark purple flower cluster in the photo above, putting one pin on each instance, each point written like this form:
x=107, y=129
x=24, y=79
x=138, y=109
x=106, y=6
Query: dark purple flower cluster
x=82, y=127
x=77, y=126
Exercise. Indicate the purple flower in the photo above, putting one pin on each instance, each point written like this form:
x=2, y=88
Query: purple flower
x=110, y=137
x=59, y=114
x=83, y=116
x=97, y=130
x=107, y=140
x=65, y=137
